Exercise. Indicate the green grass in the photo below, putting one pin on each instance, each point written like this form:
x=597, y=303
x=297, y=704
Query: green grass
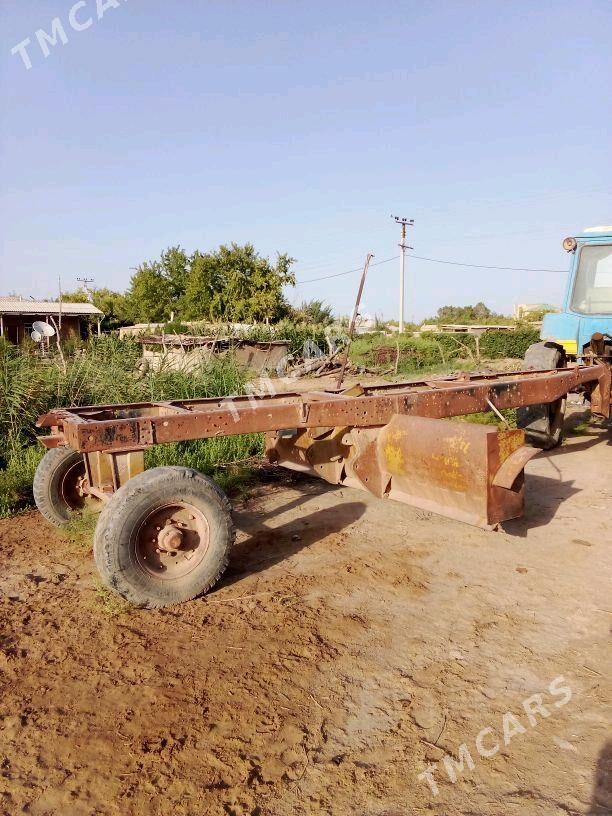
x=227, y=459
x=491, y=418
x=79, y=531
x=413, y=355
x=109, y=603
x=580, y=429
x=16, y=480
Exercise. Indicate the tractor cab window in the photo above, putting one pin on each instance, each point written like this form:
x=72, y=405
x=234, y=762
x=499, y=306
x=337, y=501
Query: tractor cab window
x=593, y=285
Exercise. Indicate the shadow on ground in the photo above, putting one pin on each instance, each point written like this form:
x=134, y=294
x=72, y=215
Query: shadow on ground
x=602, y=785
x=543, y=497
x=268, y=544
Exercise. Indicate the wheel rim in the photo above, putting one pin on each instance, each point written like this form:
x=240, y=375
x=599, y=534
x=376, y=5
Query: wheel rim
x=73, y=489
x=172, y=541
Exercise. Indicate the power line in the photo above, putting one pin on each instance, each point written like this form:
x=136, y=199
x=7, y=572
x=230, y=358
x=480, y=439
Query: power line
x=435, y=260
x=348, y=272
x=485, y=266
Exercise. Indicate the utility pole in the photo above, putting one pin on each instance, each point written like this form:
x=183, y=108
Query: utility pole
x=403, y=222
x=59, y=317
x=89, y=293
x=86, y=282
x=351, y=332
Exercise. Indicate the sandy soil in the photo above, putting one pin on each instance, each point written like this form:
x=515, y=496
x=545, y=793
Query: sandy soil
x=353, y=643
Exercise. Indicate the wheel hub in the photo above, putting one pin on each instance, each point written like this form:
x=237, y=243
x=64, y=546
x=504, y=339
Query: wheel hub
x=170, y=537
x=82, y=486
x=172, y=540
x=74, y=489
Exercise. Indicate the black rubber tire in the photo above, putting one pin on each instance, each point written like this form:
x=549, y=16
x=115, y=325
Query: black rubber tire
x=543, y=424
x=114, y=547
x=48, y=478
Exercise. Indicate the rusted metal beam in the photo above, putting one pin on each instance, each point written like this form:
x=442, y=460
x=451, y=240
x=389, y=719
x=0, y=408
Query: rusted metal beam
x=120, y=428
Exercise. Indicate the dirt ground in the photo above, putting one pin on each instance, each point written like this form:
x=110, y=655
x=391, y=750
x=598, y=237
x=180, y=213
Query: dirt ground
x=352, y=644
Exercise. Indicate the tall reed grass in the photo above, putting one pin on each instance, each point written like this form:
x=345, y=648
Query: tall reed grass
x=106, y=371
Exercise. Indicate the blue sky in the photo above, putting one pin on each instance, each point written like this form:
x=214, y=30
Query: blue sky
x=301, y=127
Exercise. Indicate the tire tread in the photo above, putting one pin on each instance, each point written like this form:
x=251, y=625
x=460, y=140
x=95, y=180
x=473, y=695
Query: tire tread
x=49, y=504
x=113, y=516
x=535, y=419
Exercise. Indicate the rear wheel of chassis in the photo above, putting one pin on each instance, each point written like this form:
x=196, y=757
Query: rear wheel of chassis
x=60, y=486
x=543, y=424
x=164, y=537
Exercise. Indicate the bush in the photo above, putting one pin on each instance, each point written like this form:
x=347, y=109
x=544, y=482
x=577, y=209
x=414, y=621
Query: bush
x=431, y=350
x=316, y=312
x=415, y=353
x=508, y=344
x=174, y=328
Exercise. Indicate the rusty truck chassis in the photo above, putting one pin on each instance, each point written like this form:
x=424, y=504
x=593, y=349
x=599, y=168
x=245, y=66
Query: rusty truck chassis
x=394, y=440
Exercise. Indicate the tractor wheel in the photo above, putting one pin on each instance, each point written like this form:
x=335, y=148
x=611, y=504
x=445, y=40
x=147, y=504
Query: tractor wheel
x=164, y=537
x=60, y=486
x=543, y=424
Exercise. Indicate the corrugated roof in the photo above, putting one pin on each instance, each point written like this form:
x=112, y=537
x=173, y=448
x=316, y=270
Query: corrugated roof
x=11, y=305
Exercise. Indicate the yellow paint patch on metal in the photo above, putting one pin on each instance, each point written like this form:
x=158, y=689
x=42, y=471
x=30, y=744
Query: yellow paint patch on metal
x=508, y=442
x=446, y=469
x=458, y=444
x=394, y=454
x=394, y=459
x=449, y=472
x=571, y=346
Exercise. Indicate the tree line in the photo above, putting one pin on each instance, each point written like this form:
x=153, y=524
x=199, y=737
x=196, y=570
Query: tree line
x=232, y=284
x=464, y=315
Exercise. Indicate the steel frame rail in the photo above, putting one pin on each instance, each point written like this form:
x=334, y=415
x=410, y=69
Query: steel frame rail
x=131, y=427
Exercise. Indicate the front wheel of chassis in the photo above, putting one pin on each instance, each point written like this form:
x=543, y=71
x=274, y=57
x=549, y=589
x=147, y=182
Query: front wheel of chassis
x=61, y=488
x=164, y=537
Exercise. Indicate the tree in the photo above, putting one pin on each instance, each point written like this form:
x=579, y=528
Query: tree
x=233, y=283
x=149, y=298
x=480, y=313
x=203, y=298
x=175, y=265
x=315, y=311
x=236, y=284
x=113, y=305
x=157, y=288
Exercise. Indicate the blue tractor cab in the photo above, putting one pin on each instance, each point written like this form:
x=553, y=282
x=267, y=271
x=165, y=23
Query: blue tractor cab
x=581, y=332
x=587, y=307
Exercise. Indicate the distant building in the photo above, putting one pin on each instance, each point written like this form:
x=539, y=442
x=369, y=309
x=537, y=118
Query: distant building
x=366, y=324
x=18, y=314
x=466, y=328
